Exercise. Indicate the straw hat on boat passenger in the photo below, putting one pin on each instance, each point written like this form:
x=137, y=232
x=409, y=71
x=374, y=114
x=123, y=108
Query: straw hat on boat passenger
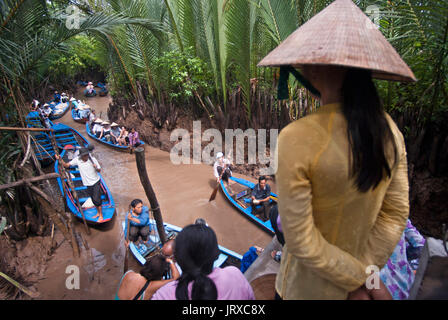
x=341, y=35
x=98, y=120
x=105, y=122
x=114, y=124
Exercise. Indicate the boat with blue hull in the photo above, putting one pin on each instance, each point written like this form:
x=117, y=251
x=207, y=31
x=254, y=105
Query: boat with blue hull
x=58, y=109
x=77, y=113
x=108, y=204
x=240, y=195
x=110, y=144
x=145, y=250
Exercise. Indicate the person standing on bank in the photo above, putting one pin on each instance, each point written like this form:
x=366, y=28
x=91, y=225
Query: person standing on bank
x=342, y=171
x=88, y=169
x=139, y=225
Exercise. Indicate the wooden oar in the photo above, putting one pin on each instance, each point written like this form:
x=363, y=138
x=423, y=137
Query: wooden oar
x=215, y=191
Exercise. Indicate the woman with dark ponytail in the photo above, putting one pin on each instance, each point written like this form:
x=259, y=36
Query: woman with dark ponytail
x=342, y=171
x=196, y=249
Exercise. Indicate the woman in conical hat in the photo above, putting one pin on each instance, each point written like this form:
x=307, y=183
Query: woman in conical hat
x=342, y=173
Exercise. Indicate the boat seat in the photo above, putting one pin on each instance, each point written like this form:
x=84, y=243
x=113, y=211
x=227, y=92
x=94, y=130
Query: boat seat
x=82, y=200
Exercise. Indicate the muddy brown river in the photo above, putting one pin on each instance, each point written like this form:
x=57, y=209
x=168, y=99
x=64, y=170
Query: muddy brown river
x=182, y=191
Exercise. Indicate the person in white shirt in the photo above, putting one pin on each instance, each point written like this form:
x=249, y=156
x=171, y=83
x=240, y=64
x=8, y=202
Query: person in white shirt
x=97, y=127
x=221, y=164
x=88, y=169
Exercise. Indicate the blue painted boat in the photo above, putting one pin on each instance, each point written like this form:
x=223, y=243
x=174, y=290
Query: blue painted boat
x=92, y=94
x=75, y=113
x=240, y=195
x=146, y=249
x=40, y=141
x=108, y=205
x=82, y=83
x=59, y=109
x=110, y=144
x=66, y=135
x=33, y=120
x=103, y=89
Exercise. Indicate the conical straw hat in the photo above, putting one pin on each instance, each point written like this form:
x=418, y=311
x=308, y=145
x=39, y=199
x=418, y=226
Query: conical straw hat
x=343, y=35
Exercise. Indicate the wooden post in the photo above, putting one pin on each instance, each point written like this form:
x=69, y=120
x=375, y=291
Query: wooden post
x=141, y=167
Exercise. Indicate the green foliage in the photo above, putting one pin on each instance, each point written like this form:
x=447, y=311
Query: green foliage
x=180, y=74
x=80, y=55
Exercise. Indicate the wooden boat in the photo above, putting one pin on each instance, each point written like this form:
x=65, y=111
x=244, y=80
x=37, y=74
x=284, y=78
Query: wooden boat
x=108, y=204
x=66, y=135
x=75, y=113
x=103, y=90
x=59, y=109
x=92, y=94
x=145, y=250
x=240, y=195
x=110, y=144
x=40, y=141
x=33, y=120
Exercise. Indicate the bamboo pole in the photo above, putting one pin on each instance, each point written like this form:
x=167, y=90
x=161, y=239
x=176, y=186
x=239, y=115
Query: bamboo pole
x=25, y=129
x=29, y=180
x=150, y=194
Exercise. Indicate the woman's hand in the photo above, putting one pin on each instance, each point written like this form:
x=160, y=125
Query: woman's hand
x=359, y=294
x=381, y=293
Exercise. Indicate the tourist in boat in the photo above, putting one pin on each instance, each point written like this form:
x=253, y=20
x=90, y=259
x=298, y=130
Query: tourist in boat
x=45, y=113
x=342, y=171
x=142, y=285
x=97, y=127
x=222, y=168
x=64, y=97
x=196, y=249
x=139, y=223
x=134, y=140
x=249, y=257
x=56, y=97
x=88, y=168
x=105, y=131
x=90, y=88
x=115, y=132
x=123, y=138
x=261, y=194
x=276, y=224
x=35, y=105
x=92, y=116
x=398, y=273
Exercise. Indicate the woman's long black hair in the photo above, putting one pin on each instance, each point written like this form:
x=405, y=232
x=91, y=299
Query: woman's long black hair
x=195, y=251
x=368, y=130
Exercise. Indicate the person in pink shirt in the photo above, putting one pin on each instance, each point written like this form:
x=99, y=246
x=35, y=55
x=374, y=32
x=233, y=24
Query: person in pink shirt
x=134, y=140
x=196, y=249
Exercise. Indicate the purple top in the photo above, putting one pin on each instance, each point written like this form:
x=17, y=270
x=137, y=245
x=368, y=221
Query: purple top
x=398, y=273
x=133, y=138
x=229, y=281
x=279, y=224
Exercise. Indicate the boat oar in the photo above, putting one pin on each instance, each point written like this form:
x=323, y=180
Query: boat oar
x=215, y=191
